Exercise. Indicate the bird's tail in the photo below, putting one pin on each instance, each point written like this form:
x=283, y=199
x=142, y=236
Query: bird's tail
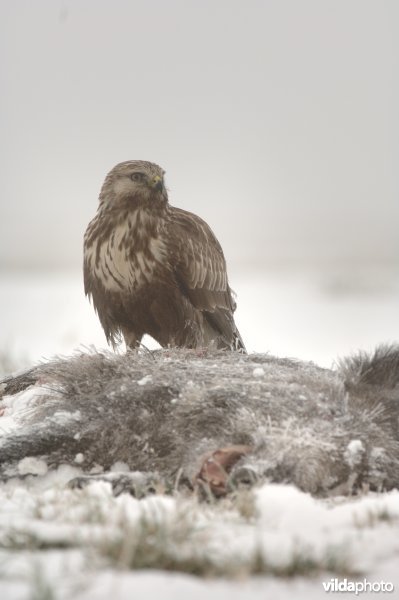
x=224, y=331
x=238, y=344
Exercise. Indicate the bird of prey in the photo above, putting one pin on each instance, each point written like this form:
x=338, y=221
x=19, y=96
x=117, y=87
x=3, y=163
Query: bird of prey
x=151, y=268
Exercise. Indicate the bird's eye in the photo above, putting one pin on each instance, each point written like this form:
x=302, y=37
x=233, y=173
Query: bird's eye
x=137, y=176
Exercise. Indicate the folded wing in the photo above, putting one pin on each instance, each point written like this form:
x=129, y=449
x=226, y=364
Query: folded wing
x=200, y=269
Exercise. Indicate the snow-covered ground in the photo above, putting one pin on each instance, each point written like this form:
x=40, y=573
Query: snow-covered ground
x=278, y=542
x=275, y=542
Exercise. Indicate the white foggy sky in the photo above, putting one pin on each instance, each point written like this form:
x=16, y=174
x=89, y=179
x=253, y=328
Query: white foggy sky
x=276, y=121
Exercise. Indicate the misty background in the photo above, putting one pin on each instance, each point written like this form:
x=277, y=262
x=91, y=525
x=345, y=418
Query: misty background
x=276, y=121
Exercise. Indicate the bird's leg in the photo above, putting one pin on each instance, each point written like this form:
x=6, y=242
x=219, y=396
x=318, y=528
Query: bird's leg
x=132, y=341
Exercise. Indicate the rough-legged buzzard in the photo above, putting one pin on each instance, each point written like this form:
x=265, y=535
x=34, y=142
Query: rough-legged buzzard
x=154, y=269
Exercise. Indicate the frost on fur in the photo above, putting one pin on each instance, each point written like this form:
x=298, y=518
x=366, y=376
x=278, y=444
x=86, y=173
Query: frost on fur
x=164, y=414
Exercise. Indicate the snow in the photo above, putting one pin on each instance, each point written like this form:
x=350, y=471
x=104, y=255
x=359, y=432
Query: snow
x=32, y=466
x=258, y=372
x=17, y=405
x=66, y=538
x=287, y=531
x=119, y=467
x=79, y=458
x=146, y=379
x=309, y=314
x=354, y=453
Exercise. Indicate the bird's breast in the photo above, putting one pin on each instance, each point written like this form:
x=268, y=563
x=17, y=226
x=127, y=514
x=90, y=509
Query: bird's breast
x=128, y=258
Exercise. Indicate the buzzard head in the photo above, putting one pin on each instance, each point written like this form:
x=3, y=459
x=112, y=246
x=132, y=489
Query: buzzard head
x=135, y=182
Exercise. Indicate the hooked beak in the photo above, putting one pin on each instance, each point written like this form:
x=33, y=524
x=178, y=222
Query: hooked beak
x=157, y=183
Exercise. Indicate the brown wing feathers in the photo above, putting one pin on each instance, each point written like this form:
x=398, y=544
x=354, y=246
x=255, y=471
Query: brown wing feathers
x=202, y=274
x=152, y=268
x=199, y=262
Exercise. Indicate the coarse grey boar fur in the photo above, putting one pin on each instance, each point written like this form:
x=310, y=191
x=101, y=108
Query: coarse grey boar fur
x=326, y=431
